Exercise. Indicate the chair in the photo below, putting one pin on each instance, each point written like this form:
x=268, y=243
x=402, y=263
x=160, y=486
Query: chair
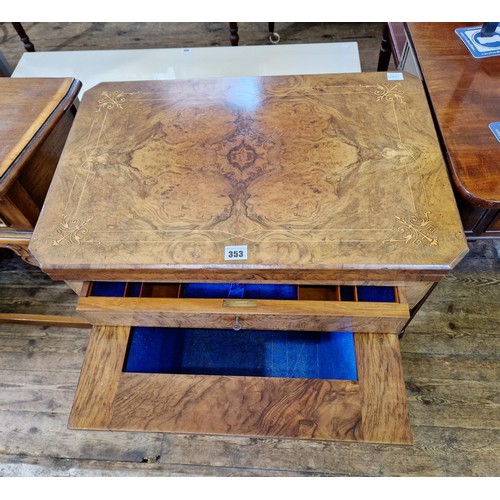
x=234, y=37
x=29, y=47
x=5, y=69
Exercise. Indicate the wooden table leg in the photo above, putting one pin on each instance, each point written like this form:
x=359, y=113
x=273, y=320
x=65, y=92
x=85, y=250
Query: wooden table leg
x=273, y=36
x=24, y=37
x=234, y=37
x=385, y=50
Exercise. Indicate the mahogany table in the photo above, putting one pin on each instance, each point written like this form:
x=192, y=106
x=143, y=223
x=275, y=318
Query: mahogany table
x=464, y=94
x=332, y=186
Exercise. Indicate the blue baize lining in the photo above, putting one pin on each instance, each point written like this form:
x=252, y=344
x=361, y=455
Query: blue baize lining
x=258, y=353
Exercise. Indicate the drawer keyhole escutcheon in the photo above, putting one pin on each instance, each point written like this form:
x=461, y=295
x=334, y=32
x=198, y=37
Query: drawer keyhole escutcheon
x=237, y=325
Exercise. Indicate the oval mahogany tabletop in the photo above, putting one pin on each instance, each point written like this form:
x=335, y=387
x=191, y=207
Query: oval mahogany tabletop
x=465, y=95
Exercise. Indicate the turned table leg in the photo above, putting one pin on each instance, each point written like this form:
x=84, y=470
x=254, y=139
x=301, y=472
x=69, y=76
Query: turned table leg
x=234, y=37
x=273, y=36
x=24, y=37
x=385, y=50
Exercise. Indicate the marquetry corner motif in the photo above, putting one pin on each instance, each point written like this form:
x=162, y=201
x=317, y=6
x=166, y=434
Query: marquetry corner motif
x=72, y=232
x=113, y=100
x=415, y=230
x=388, y=92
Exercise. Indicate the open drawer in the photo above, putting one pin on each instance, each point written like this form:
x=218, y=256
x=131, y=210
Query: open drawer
x=302, y=385
x=249, y=306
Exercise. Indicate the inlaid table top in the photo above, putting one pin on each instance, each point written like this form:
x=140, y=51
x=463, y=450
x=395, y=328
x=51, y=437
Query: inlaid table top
x=316, y=177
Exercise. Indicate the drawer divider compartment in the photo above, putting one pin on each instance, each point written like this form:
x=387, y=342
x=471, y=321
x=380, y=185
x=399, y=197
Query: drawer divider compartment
x=302, y=307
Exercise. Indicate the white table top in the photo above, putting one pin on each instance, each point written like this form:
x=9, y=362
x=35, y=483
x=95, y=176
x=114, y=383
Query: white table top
x=93, y=67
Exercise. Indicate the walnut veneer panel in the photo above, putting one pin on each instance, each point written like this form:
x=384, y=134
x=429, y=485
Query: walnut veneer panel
x=252, y=406
x=312, y=315
x=465, y=94
x=384, y=405
x=324, y=175
x=373, y=408
x=100, y=376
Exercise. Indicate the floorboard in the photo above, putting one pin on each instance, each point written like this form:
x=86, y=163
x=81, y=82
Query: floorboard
x=435, y=452
x=14, y=465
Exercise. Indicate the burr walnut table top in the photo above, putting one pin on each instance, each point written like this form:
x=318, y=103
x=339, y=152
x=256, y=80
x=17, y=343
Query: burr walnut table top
x=320, y=177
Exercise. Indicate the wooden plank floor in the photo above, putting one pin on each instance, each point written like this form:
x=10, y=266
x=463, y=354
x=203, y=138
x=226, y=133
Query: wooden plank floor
x=451, y=351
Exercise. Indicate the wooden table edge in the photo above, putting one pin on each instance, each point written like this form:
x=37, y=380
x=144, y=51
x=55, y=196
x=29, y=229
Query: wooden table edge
x=70, y=87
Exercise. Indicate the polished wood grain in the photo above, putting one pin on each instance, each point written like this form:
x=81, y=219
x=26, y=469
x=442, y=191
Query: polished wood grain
x=415, y=292
x=44, y=319
x=18, y=209
x=465, y=93
x=450, y=351
x=296, y=168
x=301, y=197
x=371, y=409
x=37, y=115
x=252, y=406
x=27, y=103
x=297, y=275
x=311, y=315
x=384, y=406
x=99, y=378
x=79, y=287
x=451, y=367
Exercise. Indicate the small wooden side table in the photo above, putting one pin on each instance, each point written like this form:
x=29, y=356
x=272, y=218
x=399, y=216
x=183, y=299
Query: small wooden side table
x=331, y=187
x=37, y=114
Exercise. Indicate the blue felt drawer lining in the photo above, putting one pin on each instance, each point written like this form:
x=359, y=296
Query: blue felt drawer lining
x=323, y=355
x=246, y=291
